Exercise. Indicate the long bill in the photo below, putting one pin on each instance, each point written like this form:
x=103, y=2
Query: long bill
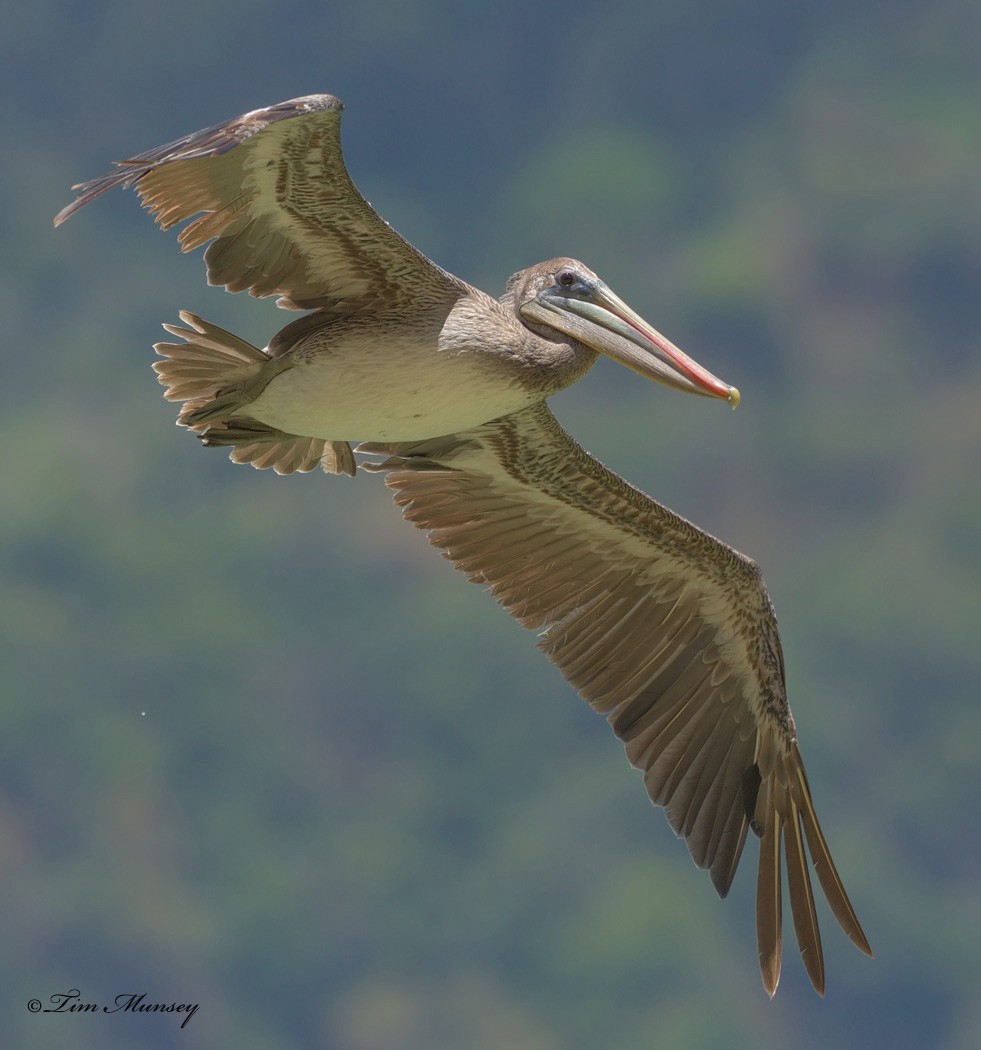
x=605, y=323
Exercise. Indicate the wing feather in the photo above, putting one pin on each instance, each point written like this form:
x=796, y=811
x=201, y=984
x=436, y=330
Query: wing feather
x=802, y=899
x=271, y=192
x=664, y=629
x=768, y=902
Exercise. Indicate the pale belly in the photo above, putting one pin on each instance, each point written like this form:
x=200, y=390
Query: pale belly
x=400, y=394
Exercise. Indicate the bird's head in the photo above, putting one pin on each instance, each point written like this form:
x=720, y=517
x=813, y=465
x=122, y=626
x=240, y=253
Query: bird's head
x=564, y=297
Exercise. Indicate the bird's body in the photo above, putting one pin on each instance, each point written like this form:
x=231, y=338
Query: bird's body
x=381, y=379
x=666, y=630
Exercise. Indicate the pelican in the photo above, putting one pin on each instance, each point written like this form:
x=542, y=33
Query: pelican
x=667, y=631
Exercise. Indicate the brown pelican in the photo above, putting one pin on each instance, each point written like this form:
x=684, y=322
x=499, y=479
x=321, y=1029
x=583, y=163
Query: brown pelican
x=664, y=629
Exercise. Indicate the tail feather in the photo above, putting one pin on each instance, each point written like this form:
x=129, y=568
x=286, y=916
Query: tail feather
x=208, y=361
x=210, y=372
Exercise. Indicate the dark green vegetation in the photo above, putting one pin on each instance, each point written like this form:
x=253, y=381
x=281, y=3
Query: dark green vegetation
x=262, y=751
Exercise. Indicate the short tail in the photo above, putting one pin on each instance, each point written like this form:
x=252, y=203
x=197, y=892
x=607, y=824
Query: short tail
x=209, y=372
x=209, y=363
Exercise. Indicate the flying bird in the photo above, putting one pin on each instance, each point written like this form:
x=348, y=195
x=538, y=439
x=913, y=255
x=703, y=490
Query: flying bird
x=667, y=631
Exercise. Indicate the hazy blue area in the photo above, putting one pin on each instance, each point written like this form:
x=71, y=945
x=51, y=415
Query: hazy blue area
x=263, y=751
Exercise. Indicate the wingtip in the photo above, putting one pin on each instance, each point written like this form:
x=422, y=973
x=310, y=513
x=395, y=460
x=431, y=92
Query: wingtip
x=769, y=897
x=770, y=974
x=863, y=944
x=66, y=213
x=824, y=866
x=814, y=967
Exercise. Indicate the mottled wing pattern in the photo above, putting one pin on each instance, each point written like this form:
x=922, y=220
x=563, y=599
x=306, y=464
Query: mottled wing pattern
x=667, y=631
x=271, y=191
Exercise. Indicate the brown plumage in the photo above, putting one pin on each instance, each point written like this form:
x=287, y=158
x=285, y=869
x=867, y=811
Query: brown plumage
x=667, y=631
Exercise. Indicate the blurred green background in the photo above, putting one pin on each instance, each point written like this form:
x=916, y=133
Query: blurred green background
x=264, y=751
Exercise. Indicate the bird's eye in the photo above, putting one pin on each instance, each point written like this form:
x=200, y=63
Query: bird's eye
x=565, y=278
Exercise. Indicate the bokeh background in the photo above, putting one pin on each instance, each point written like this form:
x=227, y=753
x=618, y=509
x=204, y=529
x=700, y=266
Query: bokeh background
x=263, y=750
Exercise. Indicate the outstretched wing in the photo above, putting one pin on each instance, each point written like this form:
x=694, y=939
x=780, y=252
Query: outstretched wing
x=664, y=629
x=271, y=190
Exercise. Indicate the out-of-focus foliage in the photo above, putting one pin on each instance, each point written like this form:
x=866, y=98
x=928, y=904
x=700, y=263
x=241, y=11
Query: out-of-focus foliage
x=263, y=752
